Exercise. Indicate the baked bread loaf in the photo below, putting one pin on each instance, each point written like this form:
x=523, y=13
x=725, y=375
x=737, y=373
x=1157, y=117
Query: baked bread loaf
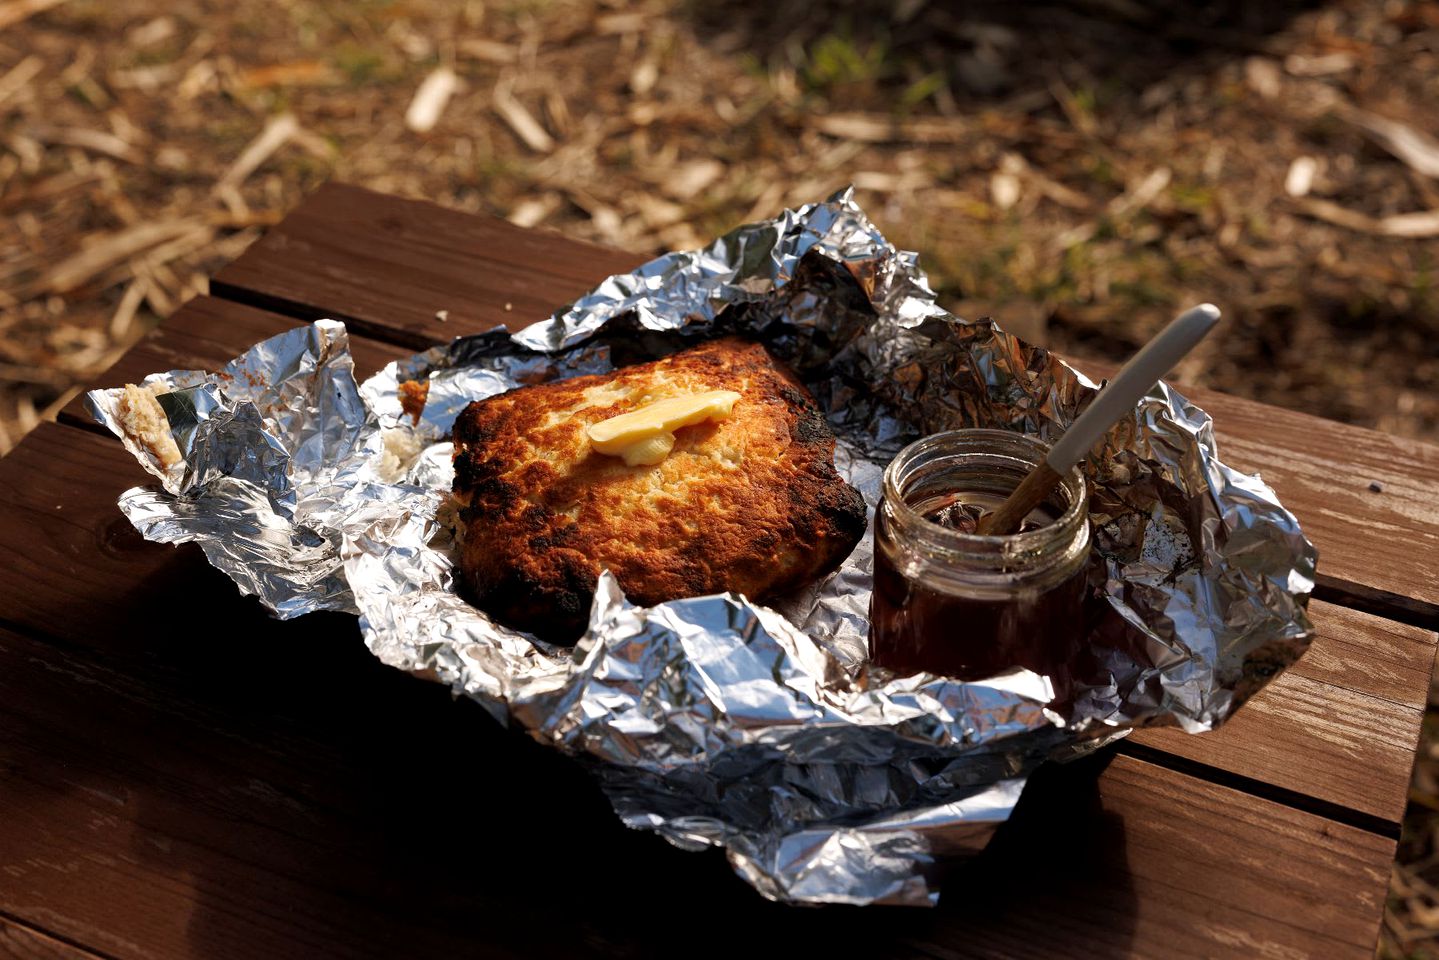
x=750, y=503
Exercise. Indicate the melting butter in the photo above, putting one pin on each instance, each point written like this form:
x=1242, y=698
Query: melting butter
x=646, y=436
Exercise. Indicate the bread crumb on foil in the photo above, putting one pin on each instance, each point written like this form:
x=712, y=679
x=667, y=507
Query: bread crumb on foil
x=145, y=424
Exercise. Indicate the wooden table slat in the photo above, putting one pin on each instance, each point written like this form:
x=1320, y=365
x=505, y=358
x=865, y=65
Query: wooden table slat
x=391, y=264
x=20, y=942
x=1356, y=698
x=1348, y=740
x=174, y=795
x=166, y=791
x=1192, y=885
x=1306, y=733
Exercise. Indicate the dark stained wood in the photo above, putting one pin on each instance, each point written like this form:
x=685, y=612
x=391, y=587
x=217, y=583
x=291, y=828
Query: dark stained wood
x=384, y=263
x=168, y=792
x=1354, y=701
x=392, y=263
x=1341, y=727
x=205, y=334
x=191, y=800
x=1148, y=865
x=178, y=802
x=1326, y=727
x=19, y=942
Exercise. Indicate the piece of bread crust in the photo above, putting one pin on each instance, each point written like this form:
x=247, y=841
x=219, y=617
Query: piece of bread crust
x=144, y=422
x=413, y=394
x=750, y=504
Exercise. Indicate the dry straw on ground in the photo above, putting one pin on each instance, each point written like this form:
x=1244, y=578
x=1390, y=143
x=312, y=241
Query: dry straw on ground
x=1079, y=169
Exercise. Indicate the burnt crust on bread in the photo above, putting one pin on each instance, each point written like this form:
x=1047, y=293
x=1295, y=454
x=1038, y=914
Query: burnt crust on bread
x=750, y=504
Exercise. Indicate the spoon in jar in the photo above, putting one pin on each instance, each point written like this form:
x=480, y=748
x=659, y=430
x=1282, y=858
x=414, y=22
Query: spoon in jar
x=1144, y=369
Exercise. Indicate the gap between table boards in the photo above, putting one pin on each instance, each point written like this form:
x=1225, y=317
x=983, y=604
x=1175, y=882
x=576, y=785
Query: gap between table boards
x=53, y=942
x=1328, y=809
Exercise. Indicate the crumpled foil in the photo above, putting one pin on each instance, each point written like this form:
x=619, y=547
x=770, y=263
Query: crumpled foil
x=713, y=720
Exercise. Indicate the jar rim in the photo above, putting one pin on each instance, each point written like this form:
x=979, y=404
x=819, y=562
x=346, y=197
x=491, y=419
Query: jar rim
x=946, y=537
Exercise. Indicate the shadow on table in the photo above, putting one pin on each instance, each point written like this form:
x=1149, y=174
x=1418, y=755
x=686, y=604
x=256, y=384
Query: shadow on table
x=292, y=794
x=1053, y=876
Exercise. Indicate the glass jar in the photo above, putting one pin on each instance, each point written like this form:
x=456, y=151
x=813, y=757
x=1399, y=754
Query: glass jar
x=949, y=601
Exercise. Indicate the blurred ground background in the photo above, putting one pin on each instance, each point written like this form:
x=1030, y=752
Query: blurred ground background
x=1076, y=168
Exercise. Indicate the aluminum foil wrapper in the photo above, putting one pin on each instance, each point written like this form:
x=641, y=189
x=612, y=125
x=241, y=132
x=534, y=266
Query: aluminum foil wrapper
x=713, y=720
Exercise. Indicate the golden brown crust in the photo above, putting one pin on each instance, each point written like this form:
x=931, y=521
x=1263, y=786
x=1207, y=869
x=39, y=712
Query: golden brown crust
x=750, y=504
x=413, y=394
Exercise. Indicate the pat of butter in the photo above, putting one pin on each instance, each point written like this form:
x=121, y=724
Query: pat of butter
x=647, y=435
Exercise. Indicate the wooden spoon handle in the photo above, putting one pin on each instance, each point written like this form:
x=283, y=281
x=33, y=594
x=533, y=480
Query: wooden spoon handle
x=1116, y=400
x=1030, y=493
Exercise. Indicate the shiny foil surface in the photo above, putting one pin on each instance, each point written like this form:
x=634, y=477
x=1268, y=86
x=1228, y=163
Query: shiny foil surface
x=712, y=720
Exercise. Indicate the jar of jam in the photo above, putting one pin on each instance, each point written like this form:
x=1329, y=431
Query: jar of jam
x=949, y=601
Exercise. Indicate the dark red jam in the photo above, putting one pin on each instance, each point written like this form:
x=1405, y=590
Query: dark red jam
x=915, y=626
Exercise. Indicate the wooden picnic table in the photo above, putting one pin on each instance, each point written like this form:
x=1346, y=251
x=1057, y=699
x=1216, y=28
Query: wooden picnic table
x=181, y=775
